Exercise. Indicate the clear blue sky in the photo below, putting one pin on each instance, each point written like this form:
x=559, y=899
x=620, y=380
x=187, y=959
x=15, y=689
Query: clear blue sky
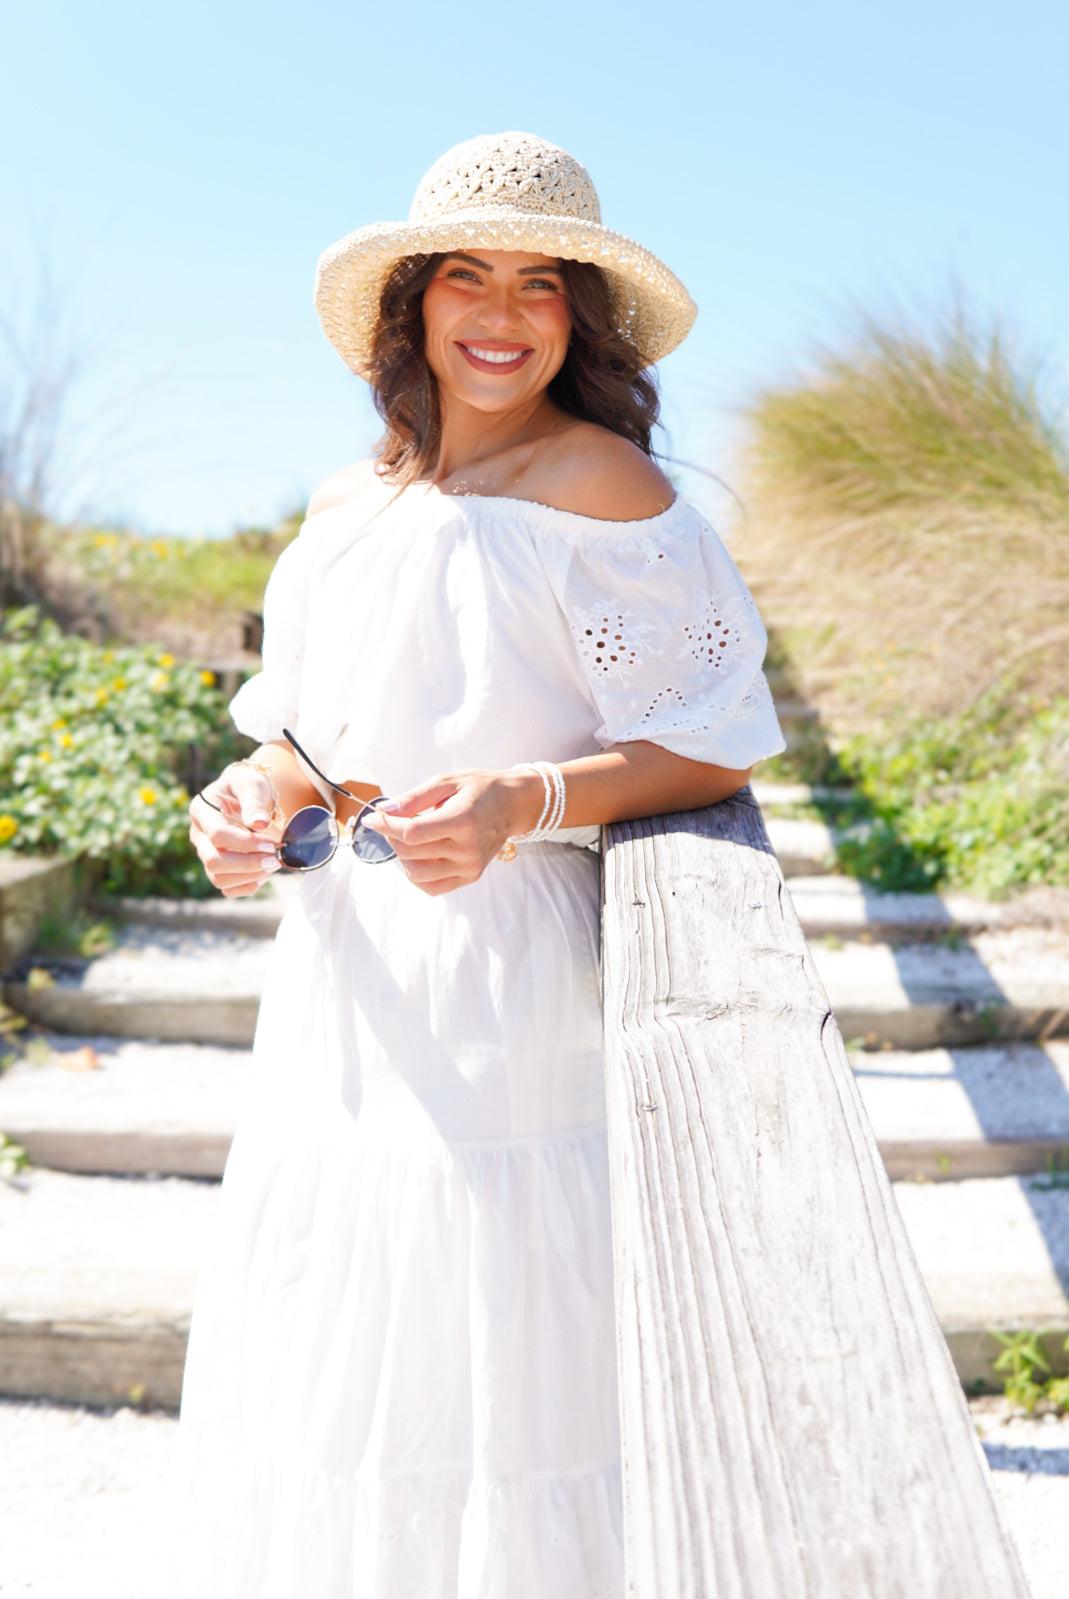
x=178, y=170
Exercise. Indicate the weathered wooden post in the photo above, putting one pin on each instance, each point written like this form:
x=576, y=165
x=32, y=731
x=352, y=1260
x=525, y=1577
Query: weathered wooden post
x=792, y=1422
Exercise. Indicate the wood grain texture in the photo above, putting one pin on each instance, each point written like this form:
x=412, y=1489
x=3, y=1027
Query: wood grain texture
x=792, y=1422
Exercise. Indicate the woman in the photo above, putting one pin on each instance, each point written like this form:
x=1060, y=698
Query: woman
x=401, y=1379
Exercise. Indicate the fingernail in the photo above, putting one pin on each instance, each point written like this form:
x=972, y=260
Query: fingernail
x=389, y=806
x=271, y=866
x=266, y=848
x=260, y=818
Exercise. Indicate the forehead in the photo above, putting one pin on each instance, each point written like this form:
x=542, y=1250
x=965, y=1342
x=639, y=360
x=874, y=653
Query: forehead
x=504, y=260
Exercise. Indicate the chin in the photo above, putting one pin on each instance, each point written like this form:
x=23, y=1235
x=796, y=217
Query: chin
x=494, y=394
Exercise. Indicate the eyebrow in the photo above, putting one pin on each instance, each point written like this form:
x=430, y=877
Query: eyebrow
x=484, y=266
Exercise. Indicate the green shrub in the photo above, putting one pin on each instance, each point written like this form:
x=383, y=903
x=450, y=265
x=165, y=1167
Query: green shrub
x=1025, y=1368
x=133, y=586
x=979, y=802
x=95, y=749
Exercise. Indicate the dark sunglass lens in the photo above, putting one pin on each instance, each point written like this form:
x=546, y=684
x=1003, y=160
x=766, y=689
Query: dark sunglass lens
x=309, y=839
x=371, y=846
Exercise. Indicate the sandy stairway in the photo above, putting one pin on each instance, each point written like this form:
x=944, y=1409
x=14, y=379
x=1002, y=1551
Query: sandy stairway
x=953, y=1009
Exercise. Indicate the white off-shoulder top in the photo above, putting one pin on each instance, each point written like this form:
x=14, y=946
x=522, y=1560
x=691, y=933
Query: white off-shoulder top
x=411, y=634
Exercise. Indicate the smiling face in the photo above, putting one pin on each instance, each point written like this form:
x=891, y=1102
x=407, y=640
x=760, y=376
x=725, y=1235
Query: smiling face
x=496, y=326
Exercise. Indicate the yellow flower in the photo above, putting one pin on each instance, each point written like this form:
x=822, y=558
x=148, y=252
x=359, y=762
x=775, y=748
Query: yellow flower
x=8, y=828
x=158, y=548
x=106, y=541
x=108, y=655
x=45, y=755
x=102, y=695
x=166, y=660
x=57, y=725
x=66, y=740
x=119, y=684
x=159, y=682
x=147, y=795
x=207, y=678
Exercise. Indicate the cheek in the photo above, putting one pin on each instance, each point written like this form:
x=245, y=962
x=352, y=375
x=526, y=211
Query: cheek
x=438, y=310
x=435, y=341
x=555, y=328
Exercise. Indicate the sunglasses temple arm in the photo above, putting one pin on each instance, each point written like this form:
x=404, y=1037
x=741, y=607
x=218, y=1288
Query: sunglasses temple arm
x=288, y=736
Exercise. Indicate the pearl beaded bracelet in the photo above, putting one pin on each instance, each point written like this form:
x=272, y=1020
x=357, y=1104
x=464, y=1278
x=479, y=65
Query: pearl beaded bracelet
x=552, y=810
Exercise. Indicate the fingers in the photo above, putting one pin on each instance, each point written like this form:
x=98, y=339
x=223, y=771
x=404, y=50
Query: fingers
x=244, y=793
x=235, y=890
x=252, y=791
x=233, y=871
x=424, y=798
x=446, y=821
x=437, y=877
x=446, y=831
x=236, y=860
x=225, y=836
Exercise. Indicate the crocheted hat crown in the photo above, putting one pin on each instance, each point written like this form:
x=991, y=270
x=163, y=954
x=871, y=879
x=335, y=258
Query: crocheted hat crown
x=507, y=171
x=501, y=191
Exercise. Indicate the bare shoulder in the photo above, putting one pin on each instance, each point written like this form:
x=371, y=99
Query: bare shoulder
x=593, y=472
x=344, y=487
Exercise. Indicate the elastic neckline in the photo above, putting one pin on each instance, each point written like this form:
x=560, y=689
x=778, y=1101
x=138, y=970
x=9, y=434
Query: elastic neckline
x=537, y=510
x=432, y=491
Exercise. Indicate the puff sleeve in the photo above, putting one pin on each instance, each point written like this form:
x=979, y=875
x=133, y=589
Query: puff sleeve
x=669, y=637
x=270, y=701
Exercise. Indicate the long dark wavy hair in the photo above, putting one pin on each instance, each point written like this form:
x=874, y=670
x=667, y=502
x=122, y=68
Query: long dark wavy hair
x=601, y=381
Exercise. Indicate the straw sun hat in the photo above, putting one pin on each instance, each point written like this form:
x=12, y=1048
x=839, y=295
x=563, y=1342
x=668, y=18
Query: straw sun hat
x=503, y=191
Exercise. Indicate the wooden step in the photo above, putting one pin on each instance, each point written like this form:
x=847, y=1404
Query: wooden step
x=772, y=796
x=158, y=983
x=1002, y=985
x=804, y=848
x=985, y=1111
x=994, y=1253
x=257, y=916
x=842, y=907
x=98, y=1274
x=171, y=1109
x=127, y=1106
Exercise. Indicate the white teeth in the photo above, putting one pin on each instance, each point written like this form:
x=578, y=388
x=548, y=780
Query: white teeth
x=495, y=357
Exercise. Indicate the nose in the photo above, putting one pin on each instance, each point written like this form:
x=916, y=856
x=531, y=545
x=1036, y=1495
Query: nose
x=498, y=310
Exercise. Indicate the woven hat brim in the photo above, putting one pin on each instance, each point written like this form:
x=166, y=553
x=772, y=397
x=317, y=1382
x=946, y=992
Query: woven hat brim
x=652, y=307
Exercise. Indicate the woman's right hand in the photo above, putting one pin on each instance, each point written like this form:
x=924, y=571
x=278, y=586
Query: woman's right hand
x=236, y=843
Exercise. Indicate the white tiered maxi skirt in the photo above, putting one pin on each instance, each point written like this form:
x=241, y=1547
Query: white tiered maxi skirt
x=401, y=1380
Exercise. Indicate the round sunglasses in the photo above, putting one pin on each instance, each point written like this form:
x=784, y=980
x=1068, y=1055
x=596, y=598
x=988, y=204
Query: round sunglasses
x=311, y=837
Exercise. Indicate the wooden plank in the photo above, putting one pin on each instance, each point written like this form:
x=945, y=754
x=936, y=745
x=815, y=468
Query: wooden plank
x=792, y=1422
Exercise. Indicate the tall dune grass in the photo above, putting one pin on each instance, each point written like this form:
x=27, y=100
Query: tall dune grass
x=907, y=536
x=908, y=528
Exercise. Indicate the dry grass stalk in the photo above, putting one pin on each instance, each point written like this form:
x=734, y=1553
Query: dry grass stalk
x=908, y=528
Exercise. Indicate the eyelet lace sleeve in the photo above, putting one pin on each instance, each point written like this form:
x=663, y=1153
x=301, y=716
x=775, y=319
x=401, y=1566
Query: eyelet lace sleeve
x=269, y=701
x=669, y=639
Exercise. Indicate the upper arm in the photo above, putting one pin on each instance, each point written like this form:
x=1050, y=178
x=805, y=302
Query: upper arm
x=593, y=472
x=342, y=487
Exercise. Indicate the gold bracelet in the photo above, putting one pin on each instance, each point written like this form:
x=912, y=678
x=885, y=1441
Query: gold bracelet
x=276, y=803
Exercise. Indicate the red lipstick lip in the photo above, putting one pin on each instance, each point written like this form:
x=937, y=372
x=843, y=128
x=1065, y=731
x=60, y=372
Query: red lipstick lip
x=523, y=353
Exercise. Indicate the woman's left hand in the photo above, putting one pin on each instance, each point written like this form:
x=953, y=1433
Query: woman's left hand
x=447, y=831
